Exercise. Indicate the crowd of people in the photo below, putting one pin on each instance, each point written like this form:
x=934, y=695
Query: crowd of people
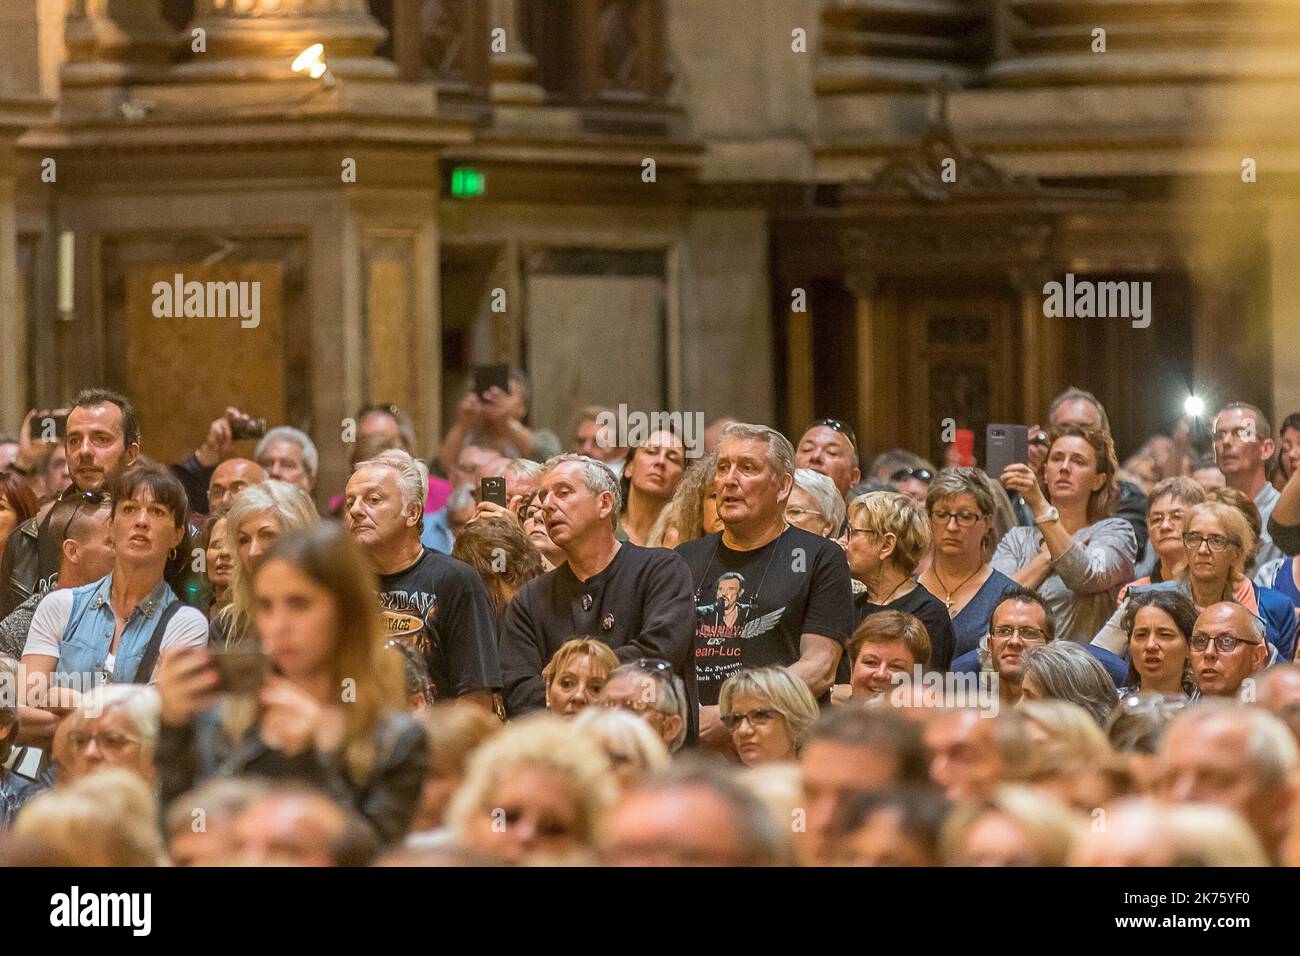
x=772, y=652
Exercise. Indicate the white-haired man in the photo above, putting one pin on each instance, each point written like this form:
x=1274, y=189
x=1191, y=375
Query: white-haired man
x=429, y=599
x=289, y=455
x=637, y=600
x=791, y=589
x=1235, y=756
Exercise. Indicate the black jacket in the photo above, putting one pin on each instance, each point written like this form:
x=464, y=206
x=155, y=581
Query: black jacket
x=187, y=756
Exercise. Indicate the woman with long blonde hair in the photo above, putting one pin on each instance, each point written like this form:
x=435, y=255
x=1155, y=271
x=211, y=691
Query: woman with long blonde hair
x=258, y=516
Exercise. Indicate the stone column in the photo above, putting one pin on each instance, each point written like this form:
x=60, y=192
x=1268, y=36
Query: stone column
x=16, y=115
x=514, y=70
x=259, y=39
x=116, y=41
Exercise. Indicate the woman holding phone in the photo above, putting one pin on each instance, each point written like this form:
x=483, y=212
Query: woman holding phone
x=1077, y=556
x=330, y=710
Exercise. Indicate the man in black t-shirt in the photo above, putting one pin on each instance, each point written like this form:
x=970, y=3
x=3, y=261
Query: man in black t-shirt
x=431, y=602
x=637, y=600
x=765, y=593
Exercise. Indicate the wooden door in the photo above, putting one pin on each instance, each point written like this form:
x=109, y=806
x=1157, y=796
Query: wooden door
x=184, y=369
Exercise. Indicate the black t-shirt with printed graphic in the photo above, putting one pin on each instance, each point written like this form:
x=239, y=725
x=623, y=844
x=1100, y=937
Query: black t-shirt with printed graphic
x=440, y=606
x=752, y=607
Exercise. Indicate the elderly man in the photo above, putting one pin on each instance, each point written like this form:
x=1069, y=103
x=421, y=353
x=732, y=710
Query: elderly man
x=694, y=814
x=230, y=478
x=431, y=601
x=1228, y=646
x=1243, y=447
x=1235, y=756
x=651, y=691
x=637, y=600
x=851, y=750
x=829, y=446
x=766, y=593
x=288, y=455
x=115, y=725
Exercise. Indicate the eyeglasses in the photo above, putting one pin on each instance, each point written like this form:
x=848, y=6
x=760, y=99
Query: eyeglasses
x=758, y=717
x=95, y=498
x=109, y=741
x=836, y=425
x=850, y=531
x=965, y=519
x=1030, y=635
x=1225, y=643
x=797, y=513
x=920, y=474
x=1192, y=540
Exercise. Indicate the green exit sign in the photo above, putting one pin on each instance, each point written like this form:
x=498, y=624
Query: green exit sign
x=467, y=182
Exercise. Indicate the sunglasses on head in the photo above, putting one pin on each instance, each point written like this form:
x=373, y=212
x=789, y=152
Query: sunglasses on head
x=93, y=499
x=920, y=474
x=388, y=409
x=837, y=425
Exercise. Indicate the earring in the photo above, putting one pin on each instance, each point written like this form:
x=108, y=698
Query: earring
x=171, y=555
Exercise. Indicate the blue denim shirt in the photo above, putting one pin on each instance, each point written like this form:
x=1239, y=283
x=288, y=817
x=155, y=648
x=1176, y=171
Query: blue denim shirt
x=89, y=634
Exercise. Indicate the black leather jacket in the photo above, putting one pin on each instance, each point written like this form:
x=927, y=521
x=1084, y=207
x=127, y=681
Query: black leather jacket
x=187, y=756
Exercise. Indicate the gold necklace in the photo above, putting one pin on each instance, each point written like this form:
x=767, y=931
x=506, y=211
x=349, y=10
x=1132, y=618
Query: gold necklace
x=948, y=600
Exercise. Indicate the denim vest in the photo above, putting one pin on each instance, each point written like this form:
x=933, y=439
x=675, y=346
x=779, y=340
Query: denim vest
x=89, y=634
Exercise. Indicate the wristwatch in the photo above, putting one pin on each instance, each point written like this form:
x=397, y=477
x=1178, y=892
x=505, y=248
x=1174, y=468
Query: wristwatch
x=1051, y=514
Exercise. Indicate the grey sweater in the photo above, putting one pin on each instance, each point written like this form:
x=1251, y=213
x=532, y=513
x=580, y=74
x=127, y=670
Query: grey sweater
x=1085, y=582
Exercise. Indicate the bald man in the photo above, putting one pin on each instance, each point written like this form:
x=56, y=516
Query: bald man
x=1228, y=646
x=230, y=478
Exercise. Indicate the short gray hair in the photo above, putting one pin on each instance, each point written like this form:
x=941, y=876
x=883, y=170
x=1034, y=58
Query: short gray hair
x=670, y=696
x=1067, y=671
x=310, y=457
x=412, y=475
x=960, y=481
x=140, y=702
x=595, y=475
x=823, y=491
x=780, y=453
x=523, y=468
